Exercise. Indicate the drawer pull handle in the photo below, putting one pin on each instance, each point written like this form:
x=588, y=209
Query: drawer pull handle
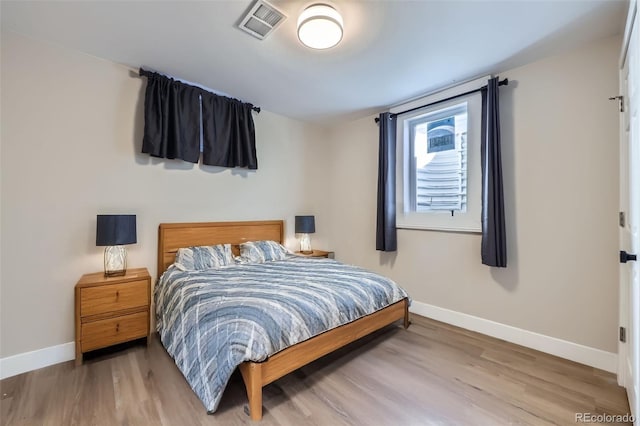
x=117, y=294
x=117, y=327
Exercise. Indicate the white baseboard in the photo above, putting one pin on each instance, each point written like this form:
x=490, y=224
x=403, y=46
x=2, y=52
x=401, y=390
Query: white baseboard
x=28, y=361
x=592, y=357
x=608, y=361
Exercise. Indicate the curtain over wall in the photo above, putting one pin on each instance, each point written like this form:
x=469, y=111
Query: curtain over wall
x=229, y=120
x=386, y=220
x=178, y=115
x=171, y=119
x=494, y=238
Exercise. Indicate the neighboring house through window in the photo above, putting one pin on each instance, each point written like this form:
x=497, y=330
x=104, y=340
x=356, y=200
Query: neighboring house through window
x=438, y=160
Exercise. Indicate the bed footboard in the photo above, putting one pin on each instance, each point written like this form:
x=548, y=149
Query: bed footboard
x=256, y=375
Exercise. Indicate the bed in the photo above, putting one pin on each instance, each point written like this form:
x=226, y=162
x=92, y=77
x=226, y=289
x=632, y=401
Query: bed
x=258, y=365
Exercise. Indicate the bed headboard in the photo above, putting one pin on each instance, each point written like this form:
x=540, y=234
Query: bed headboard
x=172, y=236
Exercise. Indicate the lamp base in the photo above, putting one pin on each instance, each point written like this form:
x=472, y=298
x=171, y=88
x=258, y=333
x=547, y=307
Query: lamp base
x=305, y=244
x=115, y=261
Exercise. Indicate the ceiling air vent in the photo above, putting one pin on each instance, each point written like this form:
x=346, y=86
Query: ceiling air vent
x=261, y=19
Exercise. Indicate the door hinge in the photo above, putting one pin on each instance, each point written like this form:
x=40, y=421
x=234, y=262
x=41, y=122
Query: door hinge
x=622, y=220
x=620, y=100
x=623, y=334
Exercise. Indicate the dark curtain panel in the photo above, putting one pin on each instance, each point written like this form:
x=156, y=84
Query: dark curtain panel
x=386, y=221
x=171, y=119
x=177, y=114
x=229, y=138
x=494, y=237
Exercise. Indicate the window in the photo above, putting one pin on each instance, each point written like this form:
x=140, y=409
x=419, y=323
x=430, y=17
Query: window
x=438, y=163
x=438, y=160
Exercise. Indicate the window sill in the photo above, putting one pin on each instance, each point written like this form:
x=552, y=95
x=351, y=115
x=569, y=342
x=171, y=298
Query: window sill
x=457, y=229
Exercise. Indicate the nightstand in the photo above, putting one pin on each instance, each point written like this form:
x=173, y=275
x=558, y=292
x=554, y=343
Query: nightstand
x=317, y=253
x=111, y=310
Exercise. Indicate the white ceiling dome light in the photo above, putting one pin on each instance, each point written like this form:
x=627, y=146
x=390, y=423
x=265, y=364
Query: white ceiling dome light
x=320, y=26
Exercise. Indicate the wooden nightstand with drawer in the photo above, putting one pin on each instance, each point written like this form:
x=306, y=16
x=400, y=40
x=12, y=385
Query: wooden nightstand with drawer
x=111, y=310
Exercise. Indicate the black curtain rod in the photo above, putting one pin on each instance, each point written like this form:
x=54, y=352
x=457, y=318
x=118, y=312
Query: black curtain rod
x=501, y=83
x=145, y=73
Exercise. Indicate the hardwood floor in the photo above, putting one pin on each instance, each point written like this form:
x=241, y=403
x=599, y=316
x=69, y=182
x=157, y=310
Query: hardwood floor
x=431, y=373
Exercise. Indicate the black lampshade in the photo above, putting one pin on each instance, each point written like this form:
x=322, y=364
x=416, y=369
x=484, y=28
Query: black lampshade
x=305, y=224
x=116, y=229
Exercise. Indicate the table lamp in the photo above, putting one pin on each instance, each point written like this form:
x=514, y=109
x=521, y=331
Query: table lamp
x=305, y=225
x=114, y=231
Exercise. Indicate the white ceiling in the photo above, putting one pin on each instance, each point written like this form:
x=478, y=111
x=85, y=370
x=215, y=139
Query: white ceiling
x=391, y=51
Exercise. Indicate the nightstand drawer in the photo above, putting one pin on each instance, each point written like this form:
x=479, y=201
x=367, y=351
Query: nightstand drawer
x=99, y=334
x=113, y=297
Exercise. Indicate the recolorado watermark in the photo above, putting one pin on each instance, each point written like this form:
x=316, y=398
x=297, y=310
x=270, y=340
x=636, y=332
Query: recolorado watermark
x=603, y=418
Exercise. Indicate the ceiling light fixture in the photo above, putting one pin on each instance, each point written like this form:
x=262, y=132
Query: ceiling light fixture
x=320, y=26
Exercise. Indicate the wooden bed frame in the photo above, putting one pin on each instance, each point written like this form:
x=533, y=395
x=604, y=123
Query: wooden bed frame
x=256, y=375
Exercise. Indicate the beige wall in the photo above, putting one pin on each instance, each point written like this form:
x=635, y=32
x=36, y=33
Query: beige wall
x=560, y=157
x=71, y=135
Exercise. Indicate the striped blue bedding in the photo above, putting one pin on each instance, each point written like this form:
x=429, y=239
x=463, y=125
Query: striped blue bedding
x=211, y=321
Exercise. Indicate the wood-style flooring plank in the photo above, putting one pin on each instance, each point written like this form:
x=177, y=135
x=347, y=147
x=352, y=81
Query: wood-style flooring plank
x=432, y=373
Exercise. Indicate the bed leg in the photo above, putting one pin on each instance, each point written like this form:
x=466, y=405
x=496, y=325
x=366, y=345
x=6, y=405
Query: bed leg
x=252, y=376
x=406, y=314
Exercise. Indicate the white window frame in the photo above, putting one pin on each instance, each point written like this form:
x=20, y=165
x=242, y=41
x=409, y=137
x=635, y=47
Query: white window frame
x=469, y=221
